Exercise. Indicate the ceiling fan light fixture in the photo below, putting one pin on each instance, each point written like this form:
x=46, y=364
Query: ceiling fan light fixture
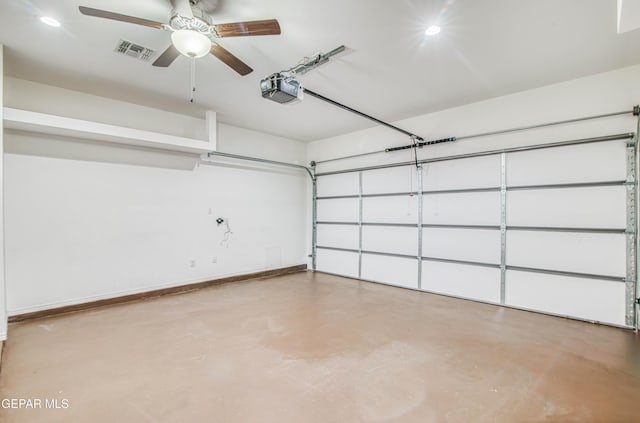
x=191, y=43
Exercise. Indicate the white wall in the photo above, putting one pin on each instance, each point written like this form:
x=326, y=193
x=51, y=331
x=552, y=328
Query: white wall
x=87, y=221
x=599, y=299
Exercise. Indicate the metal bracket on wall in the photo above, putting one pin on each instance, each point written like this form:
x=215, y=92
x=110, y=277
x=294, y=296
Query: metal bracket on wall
x=314, y=216
x=360, y=211
x=631, y=232
x=420, y=220
x=503, y=227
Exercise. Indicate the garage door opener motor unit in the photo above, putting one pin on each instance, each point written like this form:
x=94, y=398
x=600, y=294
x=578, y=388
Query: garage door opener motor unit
x=281, y=88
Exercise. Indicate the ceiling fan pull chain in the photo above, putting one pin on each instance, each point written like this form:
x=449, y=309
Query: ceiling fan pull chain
x=193, y=79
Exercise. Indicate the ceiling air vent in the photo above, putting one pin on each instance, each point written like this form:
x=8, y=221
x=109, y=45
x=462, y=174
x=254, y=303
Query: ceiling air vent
x=134, y=50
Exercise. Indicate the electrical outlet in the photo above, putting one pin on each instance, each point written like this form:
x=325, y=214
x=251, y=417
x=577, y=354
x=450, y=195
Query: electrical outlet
x=192, y=263
x=214, y=260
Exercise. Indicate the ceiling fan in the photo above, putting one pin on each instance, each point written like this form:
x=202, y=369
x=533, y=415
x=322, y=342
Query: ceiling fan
x=193, y=34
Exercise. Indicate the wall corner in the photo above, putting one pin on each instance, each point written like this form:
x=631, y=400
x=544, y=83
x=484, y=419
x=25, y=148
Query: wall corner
x=3, y=296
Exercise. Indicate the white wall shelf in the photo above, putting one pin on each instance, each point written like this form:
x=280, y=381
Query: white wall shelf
x=23, y=120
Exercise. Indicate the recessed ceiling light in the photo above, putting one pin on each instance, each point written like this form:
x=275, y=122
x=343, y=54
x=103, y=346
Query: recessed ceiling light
x=432, y=30
x=49, y=21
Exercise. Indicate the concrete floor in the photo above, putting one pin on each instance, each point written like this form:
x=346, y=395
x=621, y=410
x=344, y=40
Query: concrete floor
x=318, y=348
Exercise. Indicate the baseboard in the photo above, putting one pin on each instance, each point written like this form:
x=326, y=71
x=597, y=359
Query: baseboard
x=138, y=289
x=153, y=293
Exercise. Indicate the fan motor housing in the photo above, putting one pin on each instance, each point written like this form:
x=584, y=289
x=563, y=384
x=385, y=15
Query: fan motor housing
x=281, y=89
x=200, y=22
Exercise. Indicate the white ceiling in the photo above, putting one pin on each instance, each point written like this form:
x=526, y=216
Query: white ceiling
x=391, y=70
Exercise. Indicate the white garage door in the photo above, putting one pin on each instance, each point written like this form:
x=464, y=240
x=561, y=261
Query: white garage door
x=550, y=228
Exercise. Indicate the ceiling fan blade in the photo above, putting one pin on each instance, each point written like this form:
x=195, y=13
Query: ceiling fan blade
x=230, y=60
x=183, y=8
x=242, y=29
x=118, y=17
x=167, y=58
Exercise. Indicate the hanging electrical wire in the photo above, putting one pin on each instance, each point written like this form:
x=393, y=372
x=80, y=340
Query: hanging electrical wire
x=414, y=140
x=414, y=157
x=226, y=237
x=412, y=192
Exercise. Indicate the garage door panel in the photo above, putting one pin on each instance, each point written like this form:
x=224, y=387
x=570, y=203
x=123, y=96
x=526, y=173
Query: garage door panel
x=401, y=209
x=478, y=208
x=390, y=239
x=340, y=236
x=339, y=184
x=597, y=207
x=338, y=210
x=338, y=262
x=391, y=180
x=392, y=270
x=478, y=245
x=600, y=254
x=590, y=299
x=473, y=282
x=475, y=172
x=580, y=163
